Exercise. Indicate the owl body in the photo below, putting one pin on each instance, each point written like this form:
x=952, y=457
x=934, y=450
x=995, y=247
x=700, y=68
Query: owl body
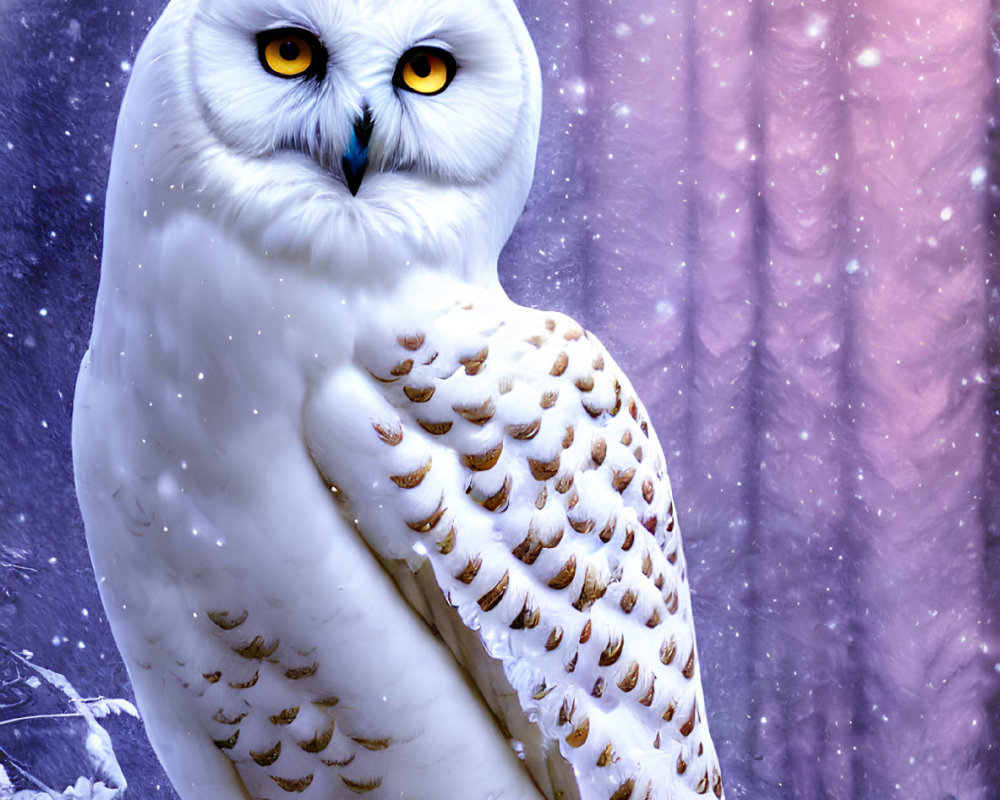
x=361, y=524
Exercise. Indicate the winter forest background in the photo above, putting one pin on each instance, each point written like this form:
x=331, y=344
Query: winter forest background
x=780, y=217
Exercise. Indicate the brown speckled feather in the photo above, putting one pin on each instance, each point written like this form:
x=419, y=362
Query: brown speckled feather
x=524, y=509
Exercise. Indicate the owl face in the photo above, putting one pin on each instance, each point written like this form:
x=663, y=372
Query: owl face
x=352, y=131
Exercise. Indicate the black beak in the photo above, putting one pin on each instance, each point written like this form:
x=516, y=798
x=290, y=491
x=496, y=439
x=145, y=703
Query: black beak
x=355, y=160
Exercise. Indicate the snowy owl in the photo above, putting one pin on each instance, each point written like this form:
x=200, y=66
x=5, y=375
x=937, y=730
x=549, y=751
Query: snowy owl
x=361, y=524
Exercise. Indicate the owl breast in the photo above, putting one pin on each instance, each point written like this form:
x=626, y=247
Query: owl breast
x=270, y=653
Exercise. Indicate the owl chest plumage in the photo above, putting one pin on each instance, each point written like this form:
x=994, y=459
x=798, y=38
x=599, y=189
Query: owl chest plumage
x=242, y=599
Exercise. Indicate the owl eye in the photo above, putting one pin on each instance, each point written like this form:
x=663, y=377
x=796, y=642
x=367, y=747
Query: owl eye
x=291, y=53
x=425, y=70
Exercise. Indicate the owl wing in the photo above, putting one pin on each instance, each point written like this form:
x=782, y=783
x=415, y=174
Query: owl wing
x=499, y=464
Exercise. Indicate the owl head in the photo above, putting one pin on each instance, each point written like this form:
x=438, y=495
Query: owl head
x=357, y=136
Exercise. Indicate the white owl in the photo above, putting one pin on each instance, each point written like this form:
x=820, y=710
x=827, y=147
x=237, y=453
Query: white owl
x=361, y=524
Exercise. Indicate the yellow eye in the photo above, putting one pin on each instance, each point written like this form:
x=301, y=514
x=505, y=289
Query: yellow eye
x=291, y=53
x=425, y=70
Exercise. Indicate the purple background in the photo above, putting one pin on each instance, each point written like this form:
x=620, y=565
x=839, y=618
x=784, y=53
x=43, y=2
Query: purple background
x=780, y=218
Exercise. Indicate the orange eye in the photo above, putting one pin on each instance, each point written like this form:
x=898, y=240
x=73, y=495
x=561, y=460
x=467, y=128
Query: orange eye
x=291, y=53
x=425, y=70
